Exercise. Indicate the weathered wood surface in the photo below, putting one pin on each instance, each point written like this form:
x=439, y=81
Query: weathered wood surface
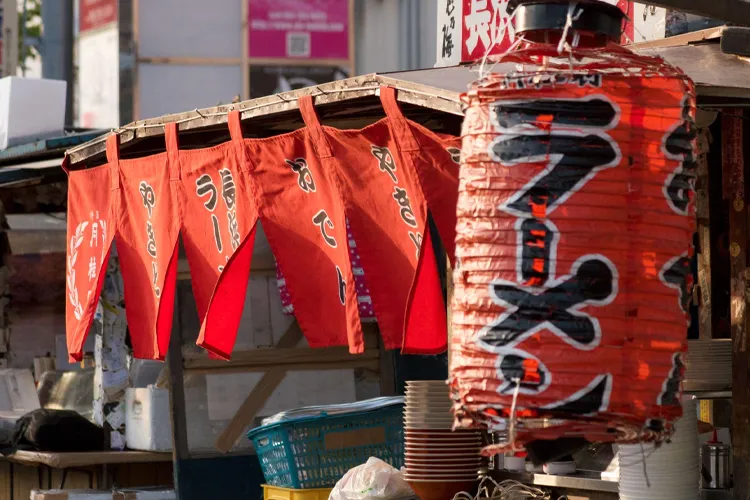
x=732, y=11
x=258, y=397
x=295, y=358
x=679, y=40
x=86, y=459
x=26, y=478
x=732, y=166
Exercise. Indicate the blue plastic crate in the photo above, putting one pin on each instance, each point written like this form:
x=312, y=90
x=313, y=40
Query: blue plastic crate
x=310, y=452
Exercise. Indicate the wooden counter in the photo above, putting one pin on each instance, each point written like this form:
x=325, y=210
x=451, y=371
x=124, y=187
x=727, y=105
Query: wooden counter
x=25, y=471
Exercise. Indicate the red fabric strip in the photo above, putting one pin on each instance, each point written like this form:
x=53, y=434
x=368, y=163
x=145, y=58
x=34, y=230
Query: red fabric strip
x=303, y=218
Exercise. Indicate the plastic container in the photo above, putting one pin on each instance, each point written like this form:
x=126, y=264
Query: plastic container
x=277, y=493
x=315, y=452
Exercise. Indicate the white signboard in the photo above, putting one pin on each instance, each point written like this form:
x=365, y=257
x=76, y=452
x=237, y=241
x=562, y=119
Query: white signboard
x=650, y=23
x=99, y=79
x=449, y=33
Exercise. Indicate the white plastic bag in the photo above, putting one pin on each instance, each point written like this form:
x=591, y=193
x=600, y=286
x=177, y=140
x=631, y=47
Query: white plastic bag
x=373, y=480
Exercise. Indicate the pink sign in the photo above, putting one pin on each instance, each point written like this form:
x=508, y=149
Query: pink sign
x=303, y=29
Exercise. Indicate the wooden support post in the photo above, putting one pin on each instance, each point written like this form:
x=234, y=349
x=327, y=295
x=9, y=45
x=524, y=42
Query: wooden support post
x=6, y=269
x=702, y=290
x=734, y=190
x=178, y=412
x=387, y=368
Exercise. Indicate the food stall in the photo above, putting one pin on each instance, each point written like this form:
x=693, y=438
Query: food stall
x=431, y=100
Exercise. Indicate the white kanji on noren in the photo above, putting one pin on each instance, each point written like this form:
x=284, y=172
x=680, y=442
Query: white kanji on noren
x=94, y=234
x=92, y=268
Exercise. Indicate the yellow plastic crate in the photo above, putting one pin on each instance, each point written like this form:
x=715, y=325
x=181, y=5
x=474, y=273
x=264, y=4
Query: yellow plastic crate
x=277, y=493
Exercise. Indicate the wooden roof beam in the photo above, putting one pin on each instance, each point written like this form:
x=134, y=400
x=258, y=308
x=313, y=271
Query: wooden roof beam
x=731, y=11
x=339, y=91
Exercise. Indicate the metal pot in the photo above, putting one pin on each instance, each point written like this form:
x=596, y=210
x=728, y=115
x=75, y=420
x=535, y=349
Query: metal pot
x=715, y=465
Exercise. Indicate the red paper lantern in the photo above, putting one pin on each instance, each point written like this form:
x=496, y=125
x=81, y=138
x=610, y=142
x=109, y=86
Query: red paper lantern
x=575, y=225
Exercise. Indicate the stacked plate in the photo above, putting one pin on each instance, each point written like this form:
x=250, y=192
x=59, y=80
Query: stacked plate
x=671, y=471
x=439, y=462
x=708, y=365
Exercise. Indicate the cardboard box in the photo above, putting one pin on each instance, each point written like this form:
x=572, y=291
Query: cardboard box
x=18, y=394
x=31, y=109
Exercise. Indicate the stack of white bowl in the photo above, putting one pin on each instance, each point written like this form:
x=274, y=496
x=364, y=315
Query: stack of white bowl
x=671, y=471
x=708, y=365
x=439, y=461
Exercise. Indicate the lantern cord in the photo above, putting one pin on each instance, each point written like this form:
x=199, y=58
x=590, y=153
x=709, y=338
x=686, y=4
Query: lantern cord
x=637, y=462
x=489, y=489
x=513, y=47
x=572, y=16
x=493, y=24
x=645, y=471
x=633, y=43
x=498, y=35
x=512, y=423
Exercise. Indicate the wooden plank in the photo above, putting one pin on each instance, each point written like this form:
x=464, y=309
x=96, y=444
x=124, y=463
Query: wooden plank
x=35, y=242
x=706, y=64
x=679, y=40
x=732, y=165
x=702, y=190
x=262, y=264
x=370, y=363
x=731, y=11
x=265, y=358
x=5, y=481
x=260, y=311
x=259, y=395
x=86, y=459
x=25, y=479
